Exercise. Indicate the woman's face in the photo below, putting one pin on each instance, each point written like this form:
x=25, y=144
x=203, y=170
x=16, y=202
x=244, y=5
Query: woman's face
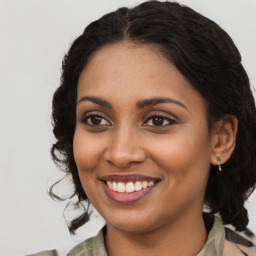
x=142, y=144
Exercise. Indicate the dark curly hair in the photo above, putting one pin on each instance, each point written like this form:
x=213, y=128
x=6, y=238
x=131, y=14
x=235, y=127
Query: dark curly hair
x=207, y=58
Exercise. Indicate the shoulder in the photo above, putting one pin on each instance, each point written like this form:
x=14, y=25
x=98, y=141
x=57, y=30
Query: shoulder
x=224, y=241
x=45, y=253
x=84, y=248
x=93, y=246
x=90, y=247
x=239, y=243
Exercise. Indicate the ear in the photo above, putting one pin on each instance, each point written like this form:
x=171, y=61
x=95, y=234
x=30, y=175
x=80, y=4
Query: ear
x=223, y=139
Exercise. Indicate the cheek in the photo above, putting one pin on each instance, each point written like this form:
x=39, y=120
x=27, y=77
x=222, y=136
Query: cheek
x=190, y=154
x=185, y=159
x=86, y=154
x=86, y=151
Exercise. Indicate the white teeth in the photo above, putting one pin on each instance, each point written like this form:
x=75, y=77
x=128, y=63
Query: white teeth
x=120, y=187
x=110, y=184
x=151, y=183
x=129, y=187
x=138, y=185
x=144, y=184
x=114, y=186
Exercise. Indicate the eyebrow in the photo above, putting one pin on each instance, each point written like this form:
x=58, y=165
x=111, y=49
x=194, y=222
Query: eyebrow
x=140, y=104
x=95, y=100
x=158, y=100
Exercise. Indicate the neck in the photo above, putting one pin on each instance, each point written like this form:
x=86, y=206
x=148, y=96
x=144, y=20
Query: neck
x=181, y=238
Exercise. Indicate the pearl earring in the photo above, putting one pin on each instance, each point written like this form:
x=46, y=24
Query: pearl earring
x=219, y=161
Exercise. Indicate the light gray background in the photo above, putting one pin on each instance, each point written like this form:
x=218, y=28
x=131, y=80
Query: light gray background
x=33, y=38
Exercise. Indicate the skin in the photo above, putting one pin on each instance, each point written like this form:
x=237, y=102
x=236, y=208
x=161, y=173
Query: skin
x=128, y=140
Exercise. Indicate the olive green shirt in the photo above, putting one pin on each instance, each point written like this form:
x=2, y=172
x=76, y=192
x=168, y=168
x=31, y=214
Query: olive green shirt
x=221, y=241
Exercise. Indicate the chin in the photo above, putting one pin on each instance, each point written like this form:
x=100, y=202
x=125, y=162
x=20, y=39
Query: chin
x=134, y=223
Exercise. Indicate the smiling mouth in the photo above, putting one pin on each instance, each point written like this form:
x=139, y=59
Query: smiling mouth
x=128, y=183
x=130, y=186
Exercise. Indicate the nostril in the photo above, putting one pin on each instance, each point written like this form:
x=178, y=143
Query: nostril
x=124, y=150
x=124, y=159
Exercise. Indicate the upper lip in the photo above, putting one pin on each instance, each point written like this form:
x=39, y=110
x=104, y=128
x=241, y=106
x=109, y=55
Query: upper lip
x=127, y=178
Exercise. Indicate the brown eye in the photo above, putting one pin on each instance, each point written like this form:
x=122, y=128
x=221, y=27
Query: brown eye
x=157, y=120
x=95, y=120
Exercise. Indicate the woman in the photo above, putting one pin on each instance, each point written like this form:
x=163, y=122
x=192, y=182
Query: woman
x=155, y=119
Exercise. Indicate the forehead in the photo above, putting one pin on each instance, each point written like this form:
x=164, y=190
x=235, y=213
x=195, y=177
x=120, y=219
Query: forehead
x=123, y=60
x=127, y=71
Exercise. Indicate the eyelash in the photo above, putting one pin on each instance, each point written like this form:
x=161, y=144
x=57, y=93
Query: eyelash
x=91, y=115
x=170, y=121
x=155, y=115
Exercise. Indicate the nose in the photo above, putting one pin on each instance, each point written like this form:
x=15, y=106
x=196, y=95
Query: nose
x=125, y=149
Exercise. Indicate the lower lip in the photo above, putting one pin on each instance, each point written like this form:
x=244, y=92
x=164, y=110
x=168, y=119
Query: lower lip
x=127, y=197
